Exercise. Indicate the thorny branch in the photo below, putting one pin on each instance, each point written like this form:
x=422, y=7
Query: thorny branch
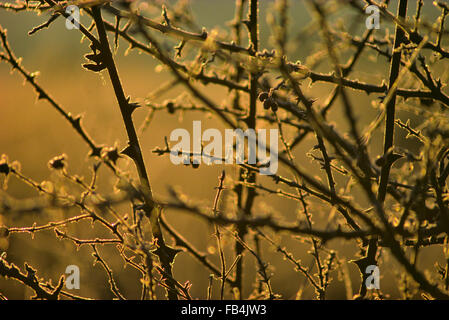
x=405, y=188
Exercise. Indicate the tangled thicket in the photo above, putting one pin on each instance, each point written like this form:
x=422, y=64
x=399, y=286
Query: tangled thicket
x=402, y=198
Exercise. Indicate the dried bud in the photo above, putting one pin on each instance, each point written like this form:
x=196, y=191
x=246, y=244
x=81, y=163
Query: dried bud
x=170, y=107
x=4, y=167
x=58, y=162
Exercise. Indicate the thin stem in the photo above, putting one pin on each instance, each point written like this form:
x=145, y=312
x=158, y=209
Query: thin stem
x=388, y=138
x=220, y=189
x=253, y=27
x=135, y=153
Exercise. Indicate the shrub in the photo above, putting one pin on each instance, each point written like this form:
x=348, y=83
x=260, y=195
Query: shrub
x=369, y=174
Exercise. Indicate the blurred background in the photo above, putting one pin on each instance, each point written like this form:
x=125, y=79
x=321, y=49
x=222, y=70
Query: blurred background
x=32, y=132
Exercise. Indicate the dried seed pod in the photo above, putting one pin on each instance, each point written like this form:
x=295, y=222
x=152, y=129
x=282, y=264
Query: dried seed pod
x=263, y=96
x=267, y=104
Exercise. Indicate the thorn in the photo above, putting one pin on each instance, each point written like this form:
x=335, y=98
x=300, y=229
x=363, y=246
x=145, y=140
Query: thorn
x=95, y=152
x=129, y=151
x=165, y=15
